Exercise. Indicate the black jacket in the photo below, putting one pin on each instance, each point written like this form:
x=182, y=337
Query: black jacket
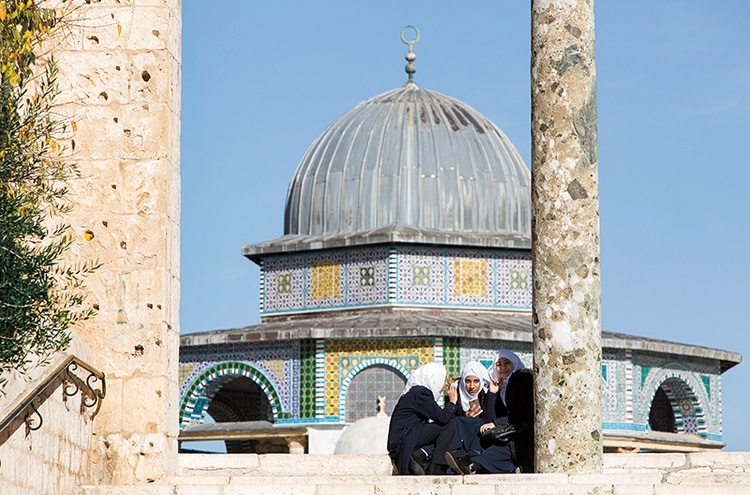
x=518, y=409
x=412, y=411
x=486, y=400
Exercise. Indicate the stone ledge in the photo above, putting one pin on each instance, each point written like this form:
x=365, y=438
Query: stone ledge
x=720, y=459
x=697, y=478
x=630, y=462
x=642, y=478
x=717, y=489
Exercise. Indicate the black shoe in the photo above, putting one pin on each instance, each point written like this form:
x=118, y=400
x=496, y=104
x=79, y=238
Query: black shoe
x=460, y=465
x=416, y=462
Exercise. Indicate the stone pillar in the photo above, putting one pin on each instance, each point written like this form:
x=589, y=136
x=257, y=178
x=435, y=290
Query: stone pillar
x=120, y=81
x=565, y=243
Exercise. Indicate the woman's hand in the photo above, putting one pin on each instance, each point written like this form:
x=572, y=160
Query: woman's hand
x=494, y=385
x=453, y=392
x=474, y=411
x=483, y=429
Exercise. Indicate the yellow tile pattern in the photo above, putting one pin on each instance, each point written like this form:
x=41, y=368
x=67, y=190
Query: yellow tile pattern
x=276, y=366
x=325, y=280
x=344, y=355
x=470, y=277
x=185, y=370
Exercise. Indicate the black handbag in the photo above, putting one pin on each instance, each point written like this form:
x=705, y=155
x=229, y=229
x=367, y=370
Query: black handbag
x=506, y=432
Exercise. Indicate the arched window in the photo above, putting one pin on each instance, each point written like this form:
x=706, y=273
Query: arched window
x=367, y=385
x=661, y=417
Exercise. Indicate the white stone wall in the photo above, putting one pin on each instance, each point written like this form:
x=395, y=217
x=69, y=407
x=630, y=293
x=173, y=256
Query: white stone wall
x=120, y=79
x=54, y=458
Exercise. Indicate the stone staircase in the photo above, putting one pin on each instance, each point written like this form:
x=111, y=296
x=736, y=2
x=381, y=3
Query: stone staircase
x=282, y=474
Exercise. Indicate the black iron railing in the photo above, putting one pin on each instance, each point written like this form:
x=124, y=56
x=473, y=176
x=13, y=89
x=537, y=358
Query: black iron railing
x=73, y=376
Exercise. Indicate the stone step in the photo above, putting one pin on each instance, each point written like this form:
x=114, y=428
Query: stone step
x=288, y=465
x=282, y=474
x=411, y=486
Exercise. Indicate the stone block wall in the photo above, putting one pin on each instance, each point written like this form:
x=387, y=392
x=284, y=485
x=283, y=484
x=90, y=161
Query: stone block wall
x=55, y=457
x=120, y=80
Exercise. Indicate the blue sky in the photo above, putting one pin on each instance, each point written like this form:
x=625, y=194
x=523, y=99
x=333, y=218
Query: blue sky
x=262, y=79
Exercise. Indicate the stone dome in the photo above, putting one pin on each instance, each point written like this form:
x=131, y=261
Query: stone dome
x=365, y=436
x=415, y=162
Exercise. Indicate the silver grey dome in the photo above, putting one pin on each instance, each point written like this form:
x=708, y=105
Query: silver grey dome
x=411, y=160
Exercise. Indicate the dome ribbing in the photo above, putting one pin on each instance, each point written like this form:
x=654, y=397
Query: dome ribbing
x=410, y=159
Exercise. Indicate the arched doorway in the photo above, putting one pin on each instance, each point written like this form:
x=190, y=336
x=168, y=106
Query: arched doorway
x=240, y=399
x=661, y=416
x=365, y=387
x=676, y=409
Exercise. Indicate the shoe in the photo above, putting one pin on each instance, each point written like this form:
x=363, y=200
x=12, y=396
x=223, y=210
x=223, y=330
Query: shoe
x=416, y=462
x=460, y=465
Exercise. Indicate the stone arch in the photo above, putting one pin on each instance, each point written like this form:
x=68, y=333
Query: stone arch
x=389, y=364
x=674, y=393
x=199, y=393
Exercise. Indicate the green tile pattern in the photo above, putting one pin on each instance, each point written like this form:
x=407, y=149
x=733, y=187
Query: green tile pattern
x=307, y=378
x=452, y=355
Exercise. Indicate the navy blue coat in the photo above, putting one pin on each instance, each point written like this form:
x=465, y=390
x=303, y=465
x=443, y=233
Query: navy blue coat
x=413, y=410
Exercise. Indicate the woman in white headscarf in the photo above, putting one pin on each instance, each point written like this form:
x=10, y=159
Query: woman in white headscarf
x=514, y=405
x=418, y=421
x=472, y=389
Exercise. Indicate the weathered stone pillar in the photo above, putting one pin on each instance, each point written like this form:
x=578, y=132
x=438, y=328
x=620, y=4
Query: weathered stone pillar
x=120, y=81
x=565, y=227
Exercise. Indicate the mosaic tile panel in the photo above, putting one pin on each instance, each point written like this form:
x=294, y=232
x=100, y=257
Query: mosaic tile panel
x=668, y=375
x=320, y=378
x=471, y=277
x=371, y=378
x=421, y=276
x=336, y=279
x=610, y=386
x=514, y=280
x=276, y=363
x=283, y=284
x=210, y=380
x=342, y=356
x=367, y=277
x=450, y=277
x=326, y=280
x=452, y=355
x=629, y=386
x=307, y=378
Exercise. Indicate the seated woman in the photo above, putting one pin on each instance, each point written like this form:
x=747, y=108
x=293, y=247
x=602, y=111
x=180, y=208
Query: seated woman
x=474, y=408
x=472, y=390
x=514, y=406
x=418, y=421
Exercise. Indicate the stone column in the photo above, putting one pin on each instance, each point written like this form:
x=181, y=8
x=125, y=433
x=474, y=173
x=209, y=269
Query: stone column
x=565, y=243
x=120, y=81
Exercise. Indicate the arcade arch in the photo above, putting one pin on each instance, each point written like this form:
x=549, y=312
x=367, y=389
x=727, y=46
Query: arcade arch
x=230, y=391
x=675, y=408
x=362, y=386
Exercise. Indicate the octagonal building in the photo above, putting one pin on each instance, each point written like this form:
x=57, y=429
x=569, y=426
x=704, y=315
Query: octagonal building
x=407, y=239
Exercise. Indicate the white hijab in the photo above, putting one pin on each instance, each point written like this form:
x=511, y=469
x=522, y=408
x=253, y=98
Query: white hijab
x=430, y=375
x=517, y=366
x=472, y=368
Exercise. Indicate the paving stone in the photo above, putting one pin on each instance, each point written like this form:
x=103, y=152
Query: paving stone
x=666, y=489
x=630, y=462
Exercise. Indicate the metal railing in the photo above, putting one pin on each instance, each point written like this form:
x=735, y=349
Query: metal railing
x=65, y=375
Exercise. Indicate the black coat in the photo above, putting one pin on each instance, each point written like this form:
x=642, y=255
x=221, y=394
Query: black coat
x=413, y=410
x=486, y=400
x=518, y=409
